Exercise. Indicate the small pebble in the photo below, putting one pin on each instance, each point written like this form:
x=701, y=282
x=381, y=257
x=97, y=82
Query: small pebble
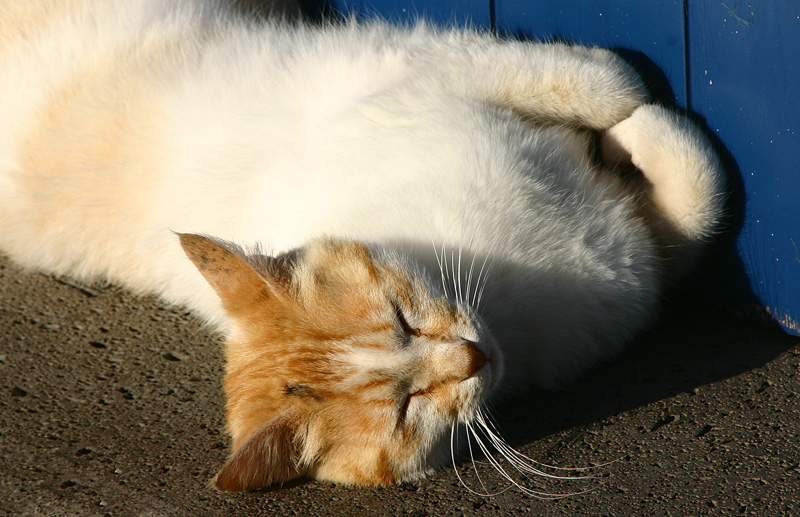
x=19, y=392
x=704, y=431
x=174, y=356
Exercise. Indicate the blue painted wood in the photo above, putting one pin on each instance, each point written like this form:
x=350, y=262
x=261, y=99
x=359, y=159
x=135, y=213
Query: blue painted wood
x=744, y=70
x=653, y=28
x=444, y=12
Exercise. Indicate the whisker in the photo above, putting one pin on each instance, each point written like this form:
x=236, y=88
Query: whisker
x=464, y=225
x=439, y=262
x=527, y=467
x=499, y=468
x=475, y=467
x=485, y=281
x=455, y=468
x=458, y=274
x=453, y=275
x=446, y=278
x=478, y=286
x=521, y=459
x=487, y=427
x=469, y=276
x=519, y=462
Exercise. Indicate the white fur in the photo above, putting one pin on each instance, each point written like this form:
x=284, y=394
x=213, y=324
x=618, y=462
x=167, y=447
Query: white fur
x=410, y=138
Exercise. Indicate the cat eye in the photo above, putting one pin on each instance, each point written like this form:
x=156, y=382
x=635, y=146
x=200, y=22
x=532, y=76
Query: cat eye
x=401, y=318
x=407, y=402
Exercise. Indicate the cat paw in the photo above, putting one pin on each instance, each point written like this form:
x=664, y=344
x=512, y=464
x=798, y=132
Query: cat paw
x=649, y=138
x=686, y=179
x=605, y=88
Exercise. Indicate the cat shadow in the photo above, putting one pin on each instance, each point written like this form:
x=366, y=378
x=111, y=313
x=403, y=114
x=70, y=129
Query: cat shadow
x=693, y=345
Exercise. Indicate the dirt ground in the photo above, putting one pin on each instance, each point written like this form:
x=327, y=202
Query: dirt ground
x=110, y=404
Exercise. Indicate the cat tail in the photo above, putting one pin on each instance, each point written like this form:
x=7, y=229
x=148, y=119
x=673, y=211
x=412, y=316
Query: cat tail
x=684, y=192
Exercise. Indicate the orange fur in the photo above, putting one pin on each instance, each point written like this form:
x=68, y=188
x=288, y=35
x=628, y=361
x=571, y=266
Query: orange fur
x=294, y=388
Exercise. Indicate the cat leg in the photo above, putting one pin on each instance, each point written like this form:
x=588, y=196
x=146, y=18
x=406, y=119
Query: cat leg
x=685, y=186
x=558, y=83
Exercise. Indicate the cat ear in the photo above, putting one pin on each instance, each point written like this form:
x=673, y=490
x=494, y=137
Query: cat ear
x=270, y=457
x=239, y=286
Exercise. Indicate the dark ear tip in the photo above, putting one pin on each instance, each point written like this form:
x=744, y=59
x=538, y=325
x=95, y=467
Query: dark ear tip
x=192, y=243
x=187, y=238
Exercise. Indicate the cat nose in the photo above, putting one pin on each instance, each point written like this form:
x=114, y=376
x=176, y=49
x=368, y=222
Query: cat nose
x=476, y=358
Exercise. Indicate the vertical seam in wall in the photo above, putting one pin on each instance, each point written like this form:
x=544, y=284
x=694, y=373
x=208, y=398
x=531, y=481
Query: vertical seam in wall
x=492, y=18
x=687, y=62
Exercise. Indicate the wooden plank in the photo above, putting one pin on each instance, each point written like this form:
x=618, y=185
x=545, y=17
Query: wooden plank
x=745, y=71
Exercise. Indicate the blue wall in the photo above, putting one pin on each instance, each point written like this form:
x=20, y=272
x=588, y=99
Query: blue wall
x=736, y=65
x=744, y=79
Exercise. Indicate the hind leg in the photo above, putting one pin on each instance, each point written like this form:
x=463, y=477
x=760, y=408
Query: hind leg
x=684, y=179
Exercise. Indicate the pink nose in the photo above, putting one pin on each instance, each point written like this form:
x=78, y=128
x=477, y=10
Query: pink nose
x=477, y=359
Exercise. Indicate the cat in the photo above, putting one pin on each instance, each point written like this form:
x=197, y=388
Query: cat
x=444, y=216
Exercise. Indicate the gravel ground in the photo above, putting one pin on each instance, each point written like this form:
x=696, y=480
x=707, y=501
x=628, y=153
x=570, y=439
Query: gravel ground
x=110, y=404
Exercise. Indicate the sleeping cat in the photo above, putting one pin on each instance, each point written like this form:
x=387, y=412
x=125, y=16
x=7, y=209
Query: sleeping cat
x=443, y=215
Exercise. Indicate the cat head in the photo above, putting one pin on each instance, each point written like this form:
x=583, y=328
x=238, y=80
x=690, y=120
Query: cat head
x=343, y=364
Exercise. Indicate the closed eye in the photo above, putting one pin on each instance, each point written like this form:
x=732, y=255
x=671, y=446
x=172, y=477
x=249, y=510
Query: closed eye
x=404, y=325
x=407, y=402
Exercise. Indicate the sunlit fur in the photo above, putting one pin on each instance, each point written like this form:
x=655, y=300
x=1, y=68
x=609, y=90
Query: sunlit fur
x=368, y=362
x=411, y=188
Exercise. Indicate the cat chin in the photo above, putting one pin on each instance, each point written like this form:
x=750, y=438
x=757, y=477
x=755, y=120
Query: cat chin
x=477, y=390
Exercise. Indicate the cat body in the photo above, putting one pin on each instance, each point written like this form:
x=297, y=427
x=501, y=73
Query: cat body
x=370, y=161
